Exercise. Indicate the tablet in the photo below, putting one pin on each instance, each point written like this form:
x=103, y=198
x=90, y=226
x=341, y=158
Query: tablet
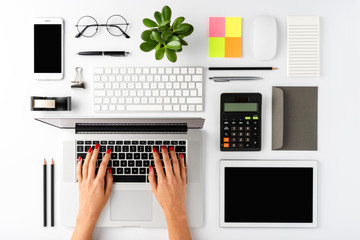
x=268, y=193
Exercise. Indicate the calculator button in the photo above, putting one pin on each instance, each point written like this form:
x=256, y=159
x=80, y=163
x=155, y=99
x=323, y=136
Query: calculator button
x=256, y=144
x=247, y=140
x=226, y=128
x=247, y=118
x=241, y=140
x=247, y=122
x=241, y=128
x=233, y=123
x=255, y=128
x=233, y=120
x=226, y=134
x=255, y=122
x=240, y=145
x=255, y=118
x=226, y=123
x=233, y=139
x=247, y=128
x=247, y=134
x=255, y=134
x=226, y=145
x=233, y=145
x=241, y=134
x=233, y=134
x=241, y=122
x=247, y=145
x=233, y=128
x=226, y=139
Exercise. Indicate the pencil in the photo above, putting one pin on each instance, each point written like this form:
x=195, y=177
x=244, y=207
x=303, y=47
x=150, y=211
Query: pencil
x=52, y=192
x=44, y=181
x=242, y=68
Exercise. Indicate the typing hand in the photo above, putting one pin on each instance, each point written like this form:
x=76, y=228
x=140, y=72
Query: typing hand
x=170, y=191
x=93, y=192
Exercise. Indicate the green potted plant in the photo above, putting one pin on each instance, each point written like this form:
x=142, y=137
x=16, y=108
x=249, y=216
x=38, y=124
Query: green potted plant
x=164, y=37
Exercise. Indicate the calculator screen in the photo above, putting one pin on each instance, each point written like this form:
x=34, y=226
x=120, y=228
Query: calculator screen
x=240, y=107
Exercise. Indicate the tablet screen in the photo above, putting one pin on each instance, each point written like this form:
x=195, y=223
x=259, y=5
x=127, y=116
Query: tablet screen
x=268, y=195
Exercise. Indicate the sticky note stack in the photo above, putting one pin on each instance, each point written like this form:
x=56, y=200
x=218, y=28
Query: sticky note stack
x=225, y=37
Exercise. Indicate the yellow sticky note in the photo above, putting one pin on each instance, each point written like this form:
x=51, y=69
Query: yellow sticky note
x=216, y=47
x=233, y=26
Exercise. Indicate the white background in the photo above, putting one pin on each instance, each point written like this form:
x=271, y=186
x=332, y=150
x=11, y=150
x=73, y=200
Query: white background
x=24, y=143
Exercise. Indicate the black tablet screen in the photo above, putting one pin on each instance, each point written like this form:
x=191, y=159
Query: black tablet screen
x=269, y=195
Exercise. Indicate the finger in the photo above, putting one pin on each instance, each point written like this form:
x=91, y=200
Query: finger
x=92, y=163
x=182, y=168
x=109, y=181
x=78, y=170
x=158, y=165
x=152, y=180
x=167, y=163
x=86, y=164
x=103, y=165
x=175, y=163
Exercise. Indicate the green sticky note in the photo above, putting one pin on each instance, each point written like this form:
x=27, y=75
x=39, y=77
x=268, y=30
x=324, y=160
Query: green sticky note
x=216, y=47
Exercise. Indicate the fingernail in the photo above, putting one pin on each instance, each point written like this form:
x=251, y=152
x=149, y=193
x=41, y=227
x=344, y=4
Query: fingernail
x=150, y=168
x=90, y=149
x=171, y=148
x=108, y=151
x=79, y=159
x=163, y=147
x=110, y=170
x=154, y=149
x=97, y=146
x=181, y=155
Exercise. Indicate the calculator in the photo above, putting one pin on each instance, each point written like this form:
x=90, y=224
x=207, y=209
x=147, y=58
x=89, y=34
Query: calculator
x=240, y=122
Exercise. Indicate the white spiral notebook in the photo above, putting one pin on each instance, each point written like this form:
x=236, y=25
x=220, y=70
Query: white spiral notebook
x=303, y=46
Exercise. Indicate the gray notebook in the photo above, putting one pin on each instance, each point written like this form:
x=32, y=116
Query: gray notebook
x=294, y=118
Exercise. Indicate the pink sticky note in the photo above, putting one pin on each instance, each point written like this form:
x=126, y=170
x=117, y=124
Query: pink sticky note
x=217, y=27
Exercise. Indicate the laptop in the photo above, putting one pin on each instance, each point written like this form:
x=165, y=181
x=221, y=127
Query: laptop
x=131, y=202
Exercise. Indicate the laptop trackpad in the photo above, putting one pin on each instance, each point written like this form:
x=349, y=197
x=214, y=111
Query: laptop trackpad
x=131, y=205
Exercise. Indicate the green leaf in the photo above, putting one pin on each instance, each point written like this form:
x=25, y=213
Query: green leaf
x=148, y=46
x=173, y=38
x=158, y=46
x=175, y=45
x=179, y=50
x=159, y=54
x=156, y=36
x=190, y=31
x=171, y=55
x=164, y=23
x=163, y=28
x=183, y=28
x=166, y=13
x=157, y=16
x=166, y=35
x=177, y=22
x=149, y=23
x=183, y=42
x=145, y=35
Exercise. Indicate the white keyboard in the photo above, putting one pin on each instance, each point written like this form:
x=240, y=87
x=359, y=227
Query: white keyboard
x=178, y=89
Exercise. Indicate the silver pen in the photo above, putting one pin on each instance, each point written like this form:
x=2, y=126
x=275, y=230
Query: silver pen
x=227, y=79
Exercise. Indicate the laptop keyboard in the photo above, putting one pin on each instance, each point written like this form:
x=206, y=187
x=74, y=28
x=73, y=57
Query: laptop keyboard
x=130, y=159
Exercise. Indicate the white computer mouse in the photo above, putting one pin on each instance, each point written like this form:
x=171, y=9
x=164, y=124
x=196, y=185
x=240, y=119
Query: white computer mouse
x=264, y=37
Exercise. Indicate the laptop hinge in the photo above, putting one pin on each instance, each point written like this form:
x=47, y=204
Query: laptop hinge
x=113, y=128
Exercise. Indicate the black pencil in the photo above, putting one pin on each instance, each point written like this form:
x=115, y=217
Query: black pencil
x=45, y=194
x=242, y=68
x=52, y=192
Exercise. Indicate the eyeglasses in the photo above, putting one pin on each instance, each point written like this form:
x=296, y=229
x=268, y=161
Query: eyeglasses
x=116, y=25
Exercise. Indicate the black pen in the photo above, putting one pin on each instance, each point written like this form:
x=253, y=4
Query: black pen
x=104, y=53
x=241, y=68
x=44, y=189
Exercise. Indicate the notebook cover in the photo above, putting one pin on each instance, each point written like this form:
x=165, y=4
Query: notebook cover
x=294, y=118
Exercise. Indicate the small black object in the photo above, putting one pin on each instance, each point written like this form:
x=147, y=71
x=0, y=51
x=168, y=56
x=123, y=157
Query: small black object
x=240, y=122
x=50, y=103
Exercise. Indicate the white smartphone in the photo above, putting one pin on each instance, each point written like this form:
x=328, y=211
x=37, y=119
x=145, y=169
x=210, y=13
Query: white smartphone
x=48, y=48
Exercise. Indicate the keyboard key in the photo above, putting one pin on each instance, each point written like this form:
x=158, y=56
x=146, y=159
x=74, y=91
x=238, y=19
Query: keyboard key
x=158, y=142
x=142, y=170
x=87, y=148
x=117, y=148
x=138, y=163
x=82, y=155
x=131, y=178
x=146, y=163
x=129, y=156
x=125, y=148
x=121, y=155
x=150, y=142
x=119, y=142
x=88, y=142
x=123, y=163
x=140, y=149
x=174, y=142
x=114, y=156
x=142, y=142
x=136, y=156
x=131, y=163
x=103, y=142
x=132, y=148
x=135, y=142
x=166, y=143
x=80, y=149
x=134, y=170
x=80, y=142
x=95, y=142
x=116, y=163
x=111, y=142
x=127, y=170
x=180, y=149
x=127, y=142
x=182, y=142
x=144, y=156
x=120, y=171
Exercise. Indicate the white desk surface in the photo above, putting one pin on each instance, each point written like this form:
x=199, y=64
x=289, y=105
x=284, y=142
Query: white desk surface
x=24, y=143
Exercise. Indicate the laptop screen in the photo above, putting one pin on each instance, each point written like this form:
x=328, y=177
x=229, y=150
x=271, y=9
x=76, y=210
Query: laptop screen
x=268, y=195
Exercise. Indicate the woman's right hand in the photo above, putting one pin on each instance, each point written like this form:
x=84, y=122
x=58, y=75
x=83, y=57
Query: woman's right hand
x=170, y=191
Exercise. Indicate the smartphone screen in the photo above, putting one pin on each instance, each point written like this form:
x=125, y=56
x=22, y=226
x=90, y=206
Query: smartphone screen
x=48, y=48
